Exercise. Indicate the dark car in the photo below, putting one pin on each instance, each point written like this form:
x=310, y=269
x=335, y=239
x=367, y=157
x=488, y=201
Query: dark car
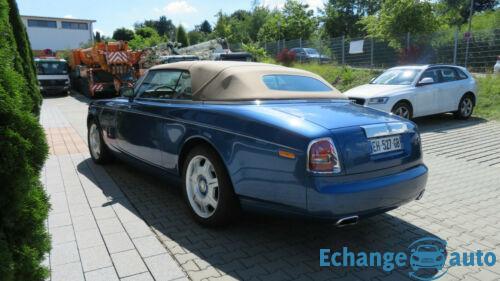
x=260, y=137
x=309, y=55
x=178, y=58
x=233, y=56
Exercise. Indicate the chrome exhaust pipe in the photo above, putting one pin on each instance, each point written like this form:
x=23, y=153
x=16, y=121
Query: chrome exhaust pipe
x=352, y=220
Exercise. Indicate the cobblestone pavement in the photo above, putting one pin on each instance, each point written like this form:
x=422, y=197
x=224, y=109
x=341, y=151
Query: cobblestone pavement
x=461, y=206
x=96, y=232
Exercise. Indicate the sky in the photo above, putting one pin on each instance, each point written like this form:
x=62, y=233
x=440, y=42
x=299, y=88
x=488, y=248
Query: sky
x=110, y=15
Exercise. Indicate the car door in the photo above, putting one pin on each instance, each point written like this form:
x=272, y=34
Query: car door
x=179, y=105
x=451, y=90
x=426, y=94
x=140, y=121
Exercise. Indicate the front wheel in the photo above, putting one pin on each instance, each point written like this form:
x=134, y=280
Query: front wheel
x=207, y=188
x=402, y=109
x=465, y=107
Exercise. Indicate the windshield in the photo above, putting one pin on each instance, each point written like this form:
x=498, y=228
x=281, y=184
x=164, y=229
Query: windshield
x=51, y=67
x=294, y=83
x=311, y=51
x=396, y=77
x=427, y=248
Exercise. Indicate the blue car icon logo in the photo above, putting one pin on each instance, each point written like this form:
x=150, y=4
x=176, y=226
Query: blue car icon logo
x=427, y=256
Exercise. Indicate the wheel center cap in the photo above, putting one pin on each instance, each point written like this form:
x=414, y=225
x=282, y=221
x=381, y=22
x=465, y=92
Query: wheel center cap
x=202, y=185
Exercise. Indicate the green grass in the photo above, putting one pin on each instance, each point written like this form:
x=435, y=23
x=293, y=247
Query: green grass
x=344, y=78
x=488, y=103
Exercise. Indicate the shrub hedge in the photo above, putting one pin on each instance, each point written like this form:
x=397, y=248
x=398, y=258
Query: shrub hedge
x=23, y=149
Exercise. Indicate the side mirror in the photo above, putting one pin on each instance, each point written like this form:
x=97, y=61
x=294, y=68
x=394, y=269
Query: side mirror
x=127, y=92
x=426, y=81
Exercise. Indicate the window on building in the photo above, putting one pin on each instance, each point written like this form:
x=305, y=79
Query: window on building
x=74, y=25
x=42, y=23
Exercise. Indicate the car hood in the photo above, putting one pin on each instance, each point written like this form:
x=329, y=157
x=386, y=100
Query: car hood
x=375, y=90
x=335, y=114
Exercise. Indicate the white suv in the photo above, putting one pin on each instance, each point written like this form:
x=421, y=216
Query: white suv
x=414, y=91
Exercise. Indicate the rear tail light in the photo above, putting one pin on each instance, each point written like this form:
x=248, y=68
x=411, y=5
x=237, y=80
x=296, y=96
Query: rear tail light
x=323, y=157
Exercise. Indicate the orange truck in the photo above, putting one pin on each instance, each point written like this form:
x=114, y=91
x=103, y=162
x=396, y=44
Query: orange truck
x=101, y=70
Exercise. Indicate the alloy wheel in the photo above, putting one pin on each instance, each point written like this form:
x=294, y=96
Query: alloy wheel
x=202, y=186
x=402, y=111
x=466, y=107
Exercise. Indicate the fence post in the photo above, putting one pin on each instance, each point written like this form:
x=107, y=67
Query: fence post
x=300, y=46
x=371, y=52
x=407, y=41
x=455, y=47
x=343, y=51
x=467, y=50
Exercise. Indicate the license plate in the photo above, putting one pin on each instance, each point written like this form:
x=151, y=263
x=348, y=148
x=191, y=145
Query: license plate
x=386, y=144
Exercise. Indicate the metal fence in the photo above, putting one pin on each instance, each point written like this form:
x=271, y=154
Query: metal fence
x=477, y=50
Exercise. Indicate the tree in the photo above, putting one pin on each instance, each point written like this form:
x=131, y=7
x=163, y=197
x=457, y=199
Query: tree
x=205, y=27
x=456, y=12
x=23, y=203
x=398, y=17
x=299, y=20
x=34, y=100
x=195, y=37
x=340, y=17
x=165, y=27
x=272, y=29
x=123, y=34
x=146, y=32
x=259, y=17
x=97, y=36
x=182, y=36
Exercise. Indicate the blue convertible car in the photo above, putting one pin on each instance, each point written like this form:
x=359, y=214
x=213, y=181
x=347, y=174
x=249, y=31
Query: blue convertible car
x=261, y=137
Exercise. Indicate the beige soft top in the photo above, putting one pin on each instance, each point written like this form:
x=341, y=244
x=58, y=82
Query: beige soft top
x=232, y=81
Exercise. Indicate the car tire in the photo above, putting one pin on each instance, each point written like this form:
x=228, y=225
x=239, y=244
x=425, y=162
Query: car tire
x=206, y=183
x=465, y=107
x=99, y=152
x=403, y=109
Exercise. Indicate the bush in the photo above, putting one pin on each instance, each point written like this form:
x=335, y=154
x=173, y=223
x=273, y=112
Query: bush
x=286, y=57
x=488, y=102
x=257, y=52
x=343, y=78
x=23, y=203
x=25, y=65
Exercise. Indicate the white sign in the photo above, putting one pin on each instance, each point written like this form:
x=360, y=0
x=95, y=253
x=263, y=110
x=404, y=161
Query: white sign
x=356, y=47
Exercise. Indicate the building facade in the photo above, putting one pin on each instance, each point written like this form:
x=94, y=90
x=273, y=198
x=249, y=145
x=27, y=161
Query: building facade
x=57, y=33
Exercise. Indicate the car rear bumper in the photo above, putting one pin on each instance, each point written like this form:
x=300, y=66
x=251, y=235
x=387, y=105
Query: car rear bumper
x=338, y=197
x=54, y=89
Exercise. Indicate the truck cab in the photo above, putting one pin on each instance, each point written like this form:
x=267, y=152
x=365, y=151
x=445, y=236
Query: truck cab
x=53, y=75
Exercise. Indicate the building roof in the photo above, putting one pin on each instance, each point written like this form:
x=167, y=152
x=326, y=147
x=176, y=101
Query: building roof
x=228, y=80
x=54, y=18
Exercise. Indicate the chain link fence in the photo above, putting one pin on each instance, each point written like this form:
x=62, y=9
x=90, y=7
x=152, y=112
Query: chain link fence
x=477, y=50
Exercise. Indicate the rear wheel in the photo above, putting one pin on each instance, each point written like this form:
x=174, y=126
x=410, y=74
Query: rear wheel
x=403, y=109
x=465, y=107
x=207, y=188
x=99, y=152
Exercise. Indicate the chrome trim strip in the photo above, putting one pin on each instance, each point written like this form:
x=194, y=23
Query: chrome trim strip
x=199, y=125
x=385, y=129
